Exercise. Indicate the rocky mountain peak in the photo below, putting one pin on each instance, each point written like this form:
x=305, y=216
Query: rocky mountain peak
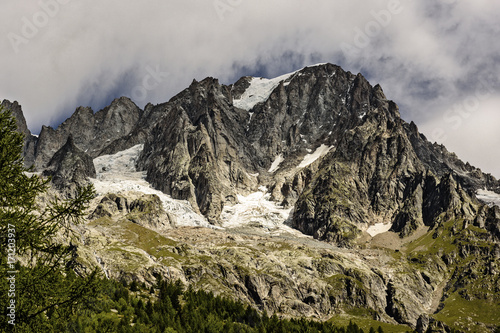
x=319, y=136
x=214, y=138
x=30, y=141
x=92, y=132
x=17, y=112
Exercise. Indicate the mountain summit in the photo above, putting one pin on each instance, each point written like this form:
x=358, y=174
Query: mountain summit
x=322, y=140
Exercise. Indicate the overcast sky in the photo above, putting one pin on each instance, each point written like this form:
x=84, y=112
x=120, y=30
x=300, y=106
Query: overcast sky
x=438, y=59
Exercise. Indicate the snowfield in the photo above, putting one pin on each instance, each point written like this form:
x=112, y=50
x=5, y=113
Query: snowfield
x=276, y=164
x=378, y=228
x=117, y=174
x=259, y=212
x=490, y=197
x=259, y=91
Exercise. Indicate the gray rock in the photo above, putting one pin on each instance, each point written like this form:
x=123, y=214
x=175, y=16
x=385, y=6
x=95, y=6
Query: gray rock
x=143, y=209
x=70, y=168
x=91, y=132
x=30, y=141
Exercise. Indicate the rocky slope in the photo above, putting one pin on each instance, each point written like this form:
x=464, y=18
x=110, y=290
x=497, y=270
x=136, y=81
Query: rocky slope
x=70, y=168
x=207, y=186
x=280, y=271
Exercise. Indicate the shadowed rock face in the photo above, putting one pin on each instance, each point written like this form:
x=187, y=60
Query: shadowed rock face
x=70, y=168
x=376, y=174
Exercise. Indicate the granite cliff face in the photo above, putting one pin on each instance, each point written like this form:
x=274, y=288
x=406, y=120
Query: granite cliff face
x=30, y=141
x=91, y=132
x=319, y=150
x=70, y=168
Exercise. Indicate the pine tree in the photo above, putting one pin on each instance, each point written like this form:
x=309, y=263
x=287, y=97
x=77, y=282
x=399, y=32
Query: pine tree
x=44, y=289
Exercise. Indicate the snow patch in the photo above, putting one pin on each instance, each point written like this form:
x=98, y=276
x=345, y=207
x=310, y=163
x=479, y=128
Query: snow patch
x=319, y=64
x=256, y=210
x=117, y=174
x=378, y=228
x=259, y=91
x=310, y=158
x=276, y=163
x=490, y=197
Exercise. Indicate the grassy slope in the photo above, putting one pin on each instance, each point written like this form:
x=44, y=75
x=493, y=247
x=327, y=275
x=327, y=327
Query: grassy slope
x=470, y=255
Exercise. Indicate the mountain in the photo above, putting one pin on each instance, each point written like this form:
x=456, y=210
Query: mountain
x=30, y=141
x=70, y=168
x=375, y=166
x=304, y=195
x=91, y=132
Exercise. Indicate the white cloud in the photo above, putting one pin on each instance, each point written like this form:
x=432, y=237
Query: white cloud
x=426, y=54
x=470, y=129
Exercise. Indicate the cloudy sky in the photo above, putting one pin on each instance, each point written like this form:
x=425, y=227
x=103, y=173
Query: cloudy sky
x=438, y=59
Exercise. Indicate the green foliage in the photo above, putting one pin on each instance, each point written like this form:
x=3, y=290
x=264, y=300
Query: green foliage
x=45, y=287
x=471, y=284
x=179, y=310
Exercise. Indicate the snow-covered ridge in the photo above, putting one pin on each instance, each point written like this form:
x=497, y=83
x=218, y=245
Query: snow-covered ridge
x=259, y=91
x=261, y=88
x=117, y=174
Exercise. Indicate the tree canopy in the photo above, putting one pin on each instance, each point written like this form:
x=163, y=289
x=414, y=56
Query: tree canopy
x=37, y=257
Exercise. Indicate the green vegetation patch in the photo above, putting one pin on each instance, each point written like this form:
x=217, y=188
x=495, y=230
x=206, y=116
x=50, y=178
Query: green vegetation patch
x=464, y=314
x=364, y=320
